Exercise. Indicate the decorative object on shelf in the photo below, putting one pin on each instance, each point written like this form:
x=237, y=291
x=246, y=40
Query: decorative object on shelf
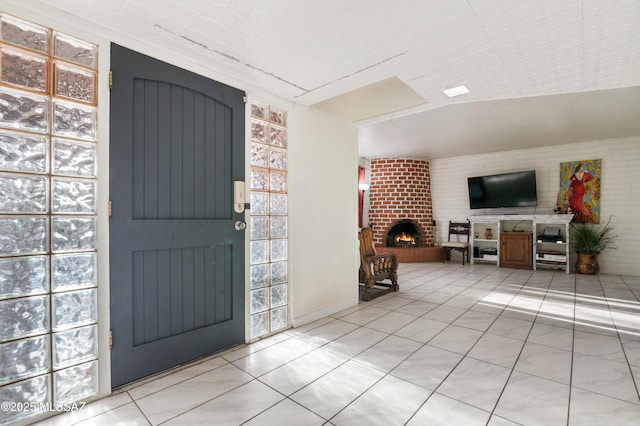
x=488, y=234
x=580, y=190
x=476, y=236
x=589, y=240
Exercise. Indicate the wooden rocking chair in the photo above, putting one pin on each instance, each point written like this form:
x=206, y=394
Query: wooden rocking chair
x=376, y=267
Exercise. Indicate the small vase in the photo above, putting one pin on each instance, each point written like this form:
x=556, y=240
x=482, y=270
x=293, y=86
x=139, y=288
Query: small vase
x=488, y=234
x=587, y=264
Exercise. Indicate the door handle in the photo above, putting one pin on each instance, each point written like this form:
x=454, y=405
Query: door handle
x=238, y=196
x=240, y=225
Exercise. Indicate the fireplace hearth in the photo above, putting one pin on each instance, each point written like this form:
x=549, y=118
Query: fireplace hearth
x=406, y=238
x=403, y=234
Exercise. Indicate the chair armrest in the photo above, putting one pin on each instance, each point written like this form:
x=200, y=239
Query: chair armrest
x=382, y=262
x=381, y=256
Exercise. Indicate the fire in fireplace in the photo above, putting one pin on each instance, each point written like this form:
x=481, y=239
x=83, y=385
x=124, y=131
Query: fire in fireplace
x=403, y=234
x=404, y=240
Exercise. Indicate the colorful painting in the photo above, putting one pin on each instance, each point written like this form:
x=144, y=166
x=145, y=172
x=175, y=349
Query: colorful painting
x=580, y=190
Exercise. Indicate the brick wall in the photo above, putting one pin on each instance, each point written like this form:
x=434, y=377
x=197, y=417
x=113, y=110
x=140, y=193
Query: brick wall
x=400, y=190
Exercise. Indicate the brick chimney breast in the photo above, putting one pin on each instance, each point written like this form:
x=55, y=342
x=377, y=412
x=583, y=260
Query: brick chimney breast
x=400, y=190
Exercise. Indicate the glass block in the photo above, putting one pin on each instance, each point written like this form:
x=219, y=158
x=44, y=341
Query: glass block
x=278, y=273
x=24, y=358
x=279, y=318
x=259, y=203
x=73, y=233
x=259, y=131
x=259, y=300
x=73, y=196
x=23, y=276
x=24, y=70
x=278, y=227
x=21, y=152
x=278, y=116
x=259, y=252
x=74, y=121
x=74, y=158
x=23, y=235
x=259, y=179
x=36, y=391
x=75, y=346
x=74, y=308
x=278, y=158
x=75, y=50
x=278, y=204
x=24, y=34
x=76, y=383
x=24, y=317
x=24, y=111
x=259, y=110
x=259, y=227
x=259, y=324
x=259, y=275
x=278, y=136
x=259, y=155
x=277, y=181
x=75, y=83
x=23, y=194
x=278, y=250
x=278, y=295
x=73, y=271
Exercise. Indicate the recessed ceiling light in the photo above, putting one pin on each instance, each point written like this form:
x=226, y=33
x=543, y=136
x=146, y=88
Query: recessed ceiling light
x=456, y=91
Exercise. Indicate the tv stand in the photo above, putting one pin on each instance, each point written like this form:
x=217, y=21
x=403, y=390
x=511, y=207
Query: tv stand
x=501, y=240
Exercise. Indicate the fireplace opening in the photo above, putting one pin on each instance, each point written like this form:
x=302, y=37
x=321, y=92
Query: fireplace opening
x=403, y=234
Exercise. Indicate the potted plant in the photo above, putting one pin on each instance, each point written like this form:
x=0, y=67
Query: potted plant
x=589, y=240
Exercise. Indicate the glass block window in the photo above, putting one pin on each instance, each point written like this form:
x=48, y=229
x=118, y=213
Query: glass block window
x=48, y=199
x=268, y=222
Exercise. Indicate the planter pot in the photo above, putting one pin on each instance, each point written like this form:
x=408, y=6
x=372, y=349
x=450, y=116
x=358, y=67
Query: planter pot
x=587, y=264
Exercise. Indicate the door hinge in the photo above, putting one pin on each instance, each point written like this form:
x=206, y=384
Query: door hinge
x=110, y=80
x=110, y=209
x=244, y=99
x=110, y=339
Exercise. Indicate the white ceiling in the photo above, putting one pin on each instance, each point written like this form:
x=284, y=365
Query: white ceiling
x=540, y=72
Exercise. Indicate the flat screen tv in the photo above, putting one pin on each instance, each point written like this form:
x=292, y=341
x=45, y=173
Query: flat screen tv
x=504, y=190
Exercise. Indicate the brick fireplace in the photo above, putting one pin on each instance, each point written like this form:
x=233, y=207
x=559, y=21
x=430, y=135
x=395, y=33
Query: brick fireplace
x=400, y=202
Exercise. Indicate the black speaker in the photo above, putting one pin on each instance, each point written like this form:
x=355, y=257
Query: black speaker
x=476, y=252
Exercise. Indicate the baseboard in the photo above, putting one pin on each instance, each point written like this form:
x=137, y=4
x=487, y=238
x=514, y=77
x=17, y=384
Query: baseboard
x=298, y=322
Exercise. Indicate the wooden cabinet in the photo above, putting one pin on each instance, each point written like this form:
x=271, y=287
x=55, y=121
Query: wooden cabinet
x=516, y=250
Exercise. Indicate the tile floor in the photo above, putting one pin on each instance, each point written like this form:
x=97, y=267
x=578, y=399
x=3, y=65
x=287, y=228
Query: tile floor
x=456, y=346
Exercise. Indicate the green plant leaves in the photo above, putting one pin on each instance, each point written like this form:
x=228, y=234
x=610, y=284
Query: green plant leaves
x=592, y=238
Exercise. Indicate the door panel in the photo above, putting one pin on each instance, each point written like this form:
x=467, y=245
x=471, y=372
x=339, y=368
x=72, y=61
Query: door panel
x=178, y=290
x=177, y=263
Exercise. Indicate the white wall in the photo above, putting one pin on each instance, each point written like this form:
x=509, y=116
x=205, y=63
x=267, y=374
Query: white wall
x=620, y=196
x=323, y=214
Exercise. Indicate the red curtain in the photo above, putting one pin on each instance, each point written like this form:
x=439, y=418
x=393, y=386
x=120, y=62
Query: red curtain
x=361, y=179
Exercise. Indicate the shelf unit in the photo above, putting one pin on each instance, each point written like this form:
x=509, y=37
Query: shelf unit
x=555, y=253
x=479, y=228
x=546, y=254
